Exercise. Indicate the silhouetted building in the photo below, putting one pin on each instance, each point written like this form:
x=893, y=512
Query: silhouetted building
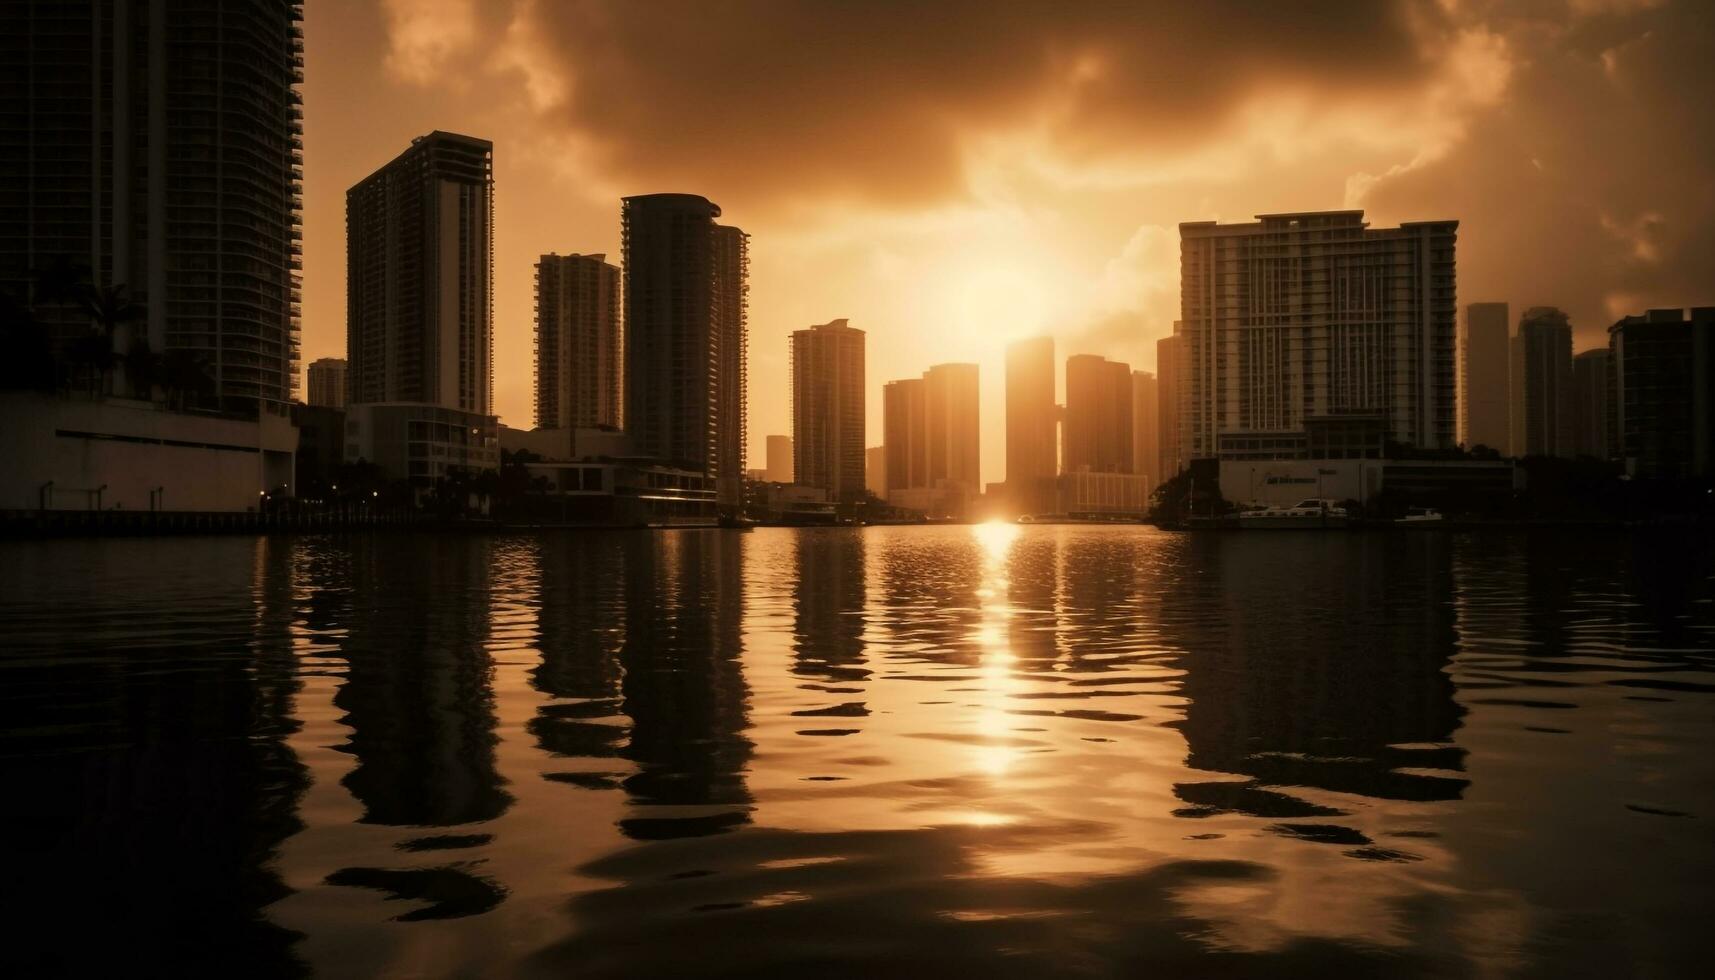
x=904, y=436
x=577, y=342
x=159, y=148
x=326, y=387
x=685, y=302
x=779, y=460
x=419, y=298
x=1663, y=406
x=1032, y=416
x=1098, y=418
x=875, y=471
x=932, y=440
x=828, y=410
x=321, y=448
x=1169, y=357
x=1315, y=314
x=1484, y=379
x=1542, y=384
x=1591, y=383
x=1146, y=426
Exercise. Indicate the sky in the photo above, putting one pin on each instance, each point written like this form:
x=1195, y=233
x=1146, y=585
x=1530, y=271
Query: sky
x=955, y=175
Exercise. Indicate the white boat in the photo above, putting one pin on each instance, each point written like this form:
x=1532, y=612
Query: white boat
x=1315, y=512
x=1420, y=515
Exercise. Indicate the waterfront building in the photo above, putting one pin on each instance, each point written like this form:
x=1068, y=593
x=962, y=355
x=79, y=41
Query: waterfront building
x=828, y=409
x=326, y=382
x=577, y=342
x=685, y=300
x=1310, y=315
x=1097, y=432
x=321, y=448
x=419, y=442
x=1542, y=384
x=1663, y=403
x=1092, y=493
x=595, y=477
x=1146, y=426
x=159, y=148
x=904, y=436
x=1168, y=369
x=419, y=297
x=931, y=440
x=1592, y=384
x=1484, y=378
x=779, y=459
x=875, y=471
x=1032, y=424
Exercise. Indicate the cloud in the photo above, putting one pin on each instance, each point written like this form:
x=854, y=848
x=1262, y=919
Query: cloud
x=426, y=36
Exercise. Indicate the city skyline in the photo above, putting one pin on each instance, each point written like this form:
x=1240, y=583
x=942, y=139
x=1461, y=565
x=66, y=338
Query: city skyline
x=1022, y=229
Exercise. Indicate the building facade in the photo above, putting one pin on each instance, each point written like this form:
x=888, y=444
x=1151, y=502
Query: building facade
x=1146, y=426
x=1311, y=315
x=1097, y=432
x=159, y=148
x=685, y=301
x=828, y=409
x=1663, y=407
x=905, y=439
x=325, y=387
x=779, y=469
x=419, y=262
x=1592, y=383
x=1168, y=368
x=1542, y=384
x=932, y=440
x=577, y=342
x=1485, y=381
x=875, y=471
x=1032, y=426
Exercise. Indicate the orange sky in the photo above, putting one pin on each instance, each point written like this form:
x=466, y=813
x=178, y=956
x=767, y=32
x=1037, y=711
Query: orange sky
x=952, y=176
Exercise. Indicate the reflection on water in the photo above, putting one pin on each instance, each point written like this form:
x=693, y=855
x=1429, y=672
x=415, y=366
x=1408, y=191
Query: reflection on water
x=1072, y=750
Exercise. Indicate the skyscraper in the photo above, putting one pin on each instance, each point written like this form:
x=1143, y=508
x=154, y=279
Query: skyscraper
x=932, y=439
x=577, y=342
x=779, y=460
x=327, y=382
x=1098, y=427
x=1297, y=318
x=1591, y=385
x=159, y=148
x=1168, y=359
x=875, y=471
x=828, y=409
x=1484, y=380
x=1146, y=426
x=419, y=257
x=1032, y=422
x=1663, y=407
x=905, y=438
x=1542, y=384
x=685, y=307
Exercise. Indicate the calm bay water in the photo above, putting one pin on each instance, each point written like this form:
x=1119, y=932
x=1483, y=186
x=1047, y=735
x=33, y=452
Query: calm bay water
x=1014, y=751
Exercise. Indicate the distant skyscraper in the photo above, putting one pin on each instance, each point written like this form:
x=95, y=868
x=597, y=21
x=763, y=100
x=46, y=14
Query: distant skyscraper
x=577, y=342
x=828, y=409
x=779, y=460
x=1484, y=379
x=1168, y=359
x=685, y=309
x=932, y=435
x=419, y=299
x=159, y=146
x=875, y=471
x=1098, y=427
x=1303, y=317
x=905, y=437
x=1591, y=384
x=1663, y=406
x=327, y=382
x=1146, y=426
x=1542, y=384
x=1032, y=416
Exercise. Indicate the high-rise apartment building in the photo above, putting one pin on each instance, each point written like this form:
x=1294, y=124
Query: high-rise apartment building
x=1097, y=434
x=1542, y=384
x=904, y=436
x=577, y=342
x=779, y=460
x=1592, y=383
x=1032, y=424
x=1146, y=426
x=1484, y=378
x=159, y=147
x=419, y=261
x=875, y=471
x=1663, y=407
x=828, y=409
x=1168, y=368
x=932, y=439
x=685, y=297
x=326, y=387
x=1299, y=319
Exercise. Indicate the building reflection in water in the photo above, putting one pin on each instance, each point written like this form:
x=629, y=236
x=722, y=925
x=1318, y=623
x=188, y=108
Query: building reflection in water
x=147, y=776
x=828, y=619
x=582, y=618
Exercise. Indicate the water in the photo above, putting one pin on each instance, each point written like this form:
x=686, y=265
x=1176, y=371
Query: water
x=1014, y=751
